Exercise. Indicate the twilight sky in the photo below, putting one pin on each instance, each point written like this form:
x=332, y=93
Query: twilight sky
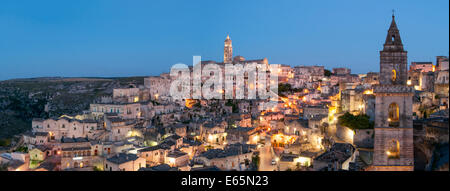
x=106, y=38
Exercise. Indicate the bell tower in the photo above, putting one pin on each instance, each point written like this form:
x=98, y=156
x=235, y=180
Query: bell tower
x=393, y=59
x=393, y=147
x=228, y=50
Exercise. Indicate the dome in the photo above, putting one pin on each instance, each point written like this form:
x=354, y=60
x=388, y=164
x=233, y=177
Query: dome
x=238, y=59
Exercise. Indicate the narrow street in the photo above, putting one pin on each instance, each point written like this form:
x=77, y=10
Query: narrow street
x=266, y=157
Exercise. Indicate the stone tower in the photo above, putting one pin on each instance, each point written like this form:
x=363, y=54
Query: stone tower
x=393, y=149
x=228, y=51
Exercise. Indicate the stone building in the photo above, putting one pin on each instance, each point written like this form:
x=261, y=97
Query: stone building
x=441, y=83
x=338, y=157
x=65, y=126
x=341, y=71
x=306, y=74
x=344, y=78
x=371, y=78
x=76, y=153
x=154, y=155
x=422, y=66
x=124, y=162
x=232, y=157
x=125, y=110
x=393, y=147
x=285, y=72
x=413, y=78
x=427, y=81
x=213, y=132
x=126, y=95
x=441, y=63
x=158, y=86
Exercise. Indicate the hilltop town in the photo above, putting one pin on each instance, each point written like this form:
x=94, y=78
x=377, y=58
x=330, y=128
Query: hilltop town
x=323, y=120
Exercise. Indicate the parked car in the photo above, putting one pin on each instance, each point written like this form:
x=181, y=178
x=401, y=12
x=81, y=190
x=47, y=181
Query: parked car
x=274, y=162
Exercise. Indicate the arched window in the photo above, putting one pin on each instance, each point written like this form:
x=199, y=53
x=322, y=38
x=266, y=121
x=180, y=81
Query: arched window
x=393, y=149
x=393, y=115
x=394, y=75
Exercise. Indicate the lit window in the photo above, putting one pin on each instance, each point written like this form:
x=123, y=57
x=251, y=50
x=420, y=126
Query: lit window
x=393, y=151
x=394, y=75
x=393, y=115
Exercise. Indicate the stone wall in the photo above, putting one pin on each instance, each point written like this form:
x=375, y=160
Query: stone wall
x=364, y=138
x=345, y=134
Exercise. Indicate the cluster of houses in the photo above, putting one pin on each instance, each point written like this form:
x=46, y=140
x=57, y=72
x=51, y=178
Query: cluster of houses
x=144, y=129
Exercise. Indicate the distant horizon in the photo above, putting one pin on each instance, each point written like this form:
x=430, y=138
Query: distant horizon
x=112, y=39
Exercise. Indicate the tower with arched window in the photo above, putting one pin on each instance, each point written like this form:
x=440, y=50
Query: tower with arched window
x=227, y=50
x=393, y=147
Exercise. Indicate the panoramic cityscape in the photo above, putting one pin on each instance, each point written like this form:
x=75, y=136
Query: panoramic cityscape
x=236, y=114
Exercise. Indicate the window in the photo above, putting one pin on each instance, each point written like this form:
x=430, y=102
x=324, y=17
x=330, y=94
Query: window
x=393, y=151
x=394, y=75
x=393, y=115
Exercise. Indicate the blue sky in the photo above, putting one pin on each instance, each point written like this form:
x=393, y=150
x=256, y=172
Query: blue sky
x=107, y=38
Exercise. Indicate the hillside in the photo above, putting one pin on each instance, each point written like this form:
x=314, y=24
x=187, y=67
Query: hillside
x=21, y=100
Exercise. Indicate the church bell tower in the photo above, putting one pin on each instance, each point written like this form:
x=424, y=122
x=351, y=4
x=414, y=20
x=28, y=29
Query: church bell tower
x=393, y=147
x=228, y=50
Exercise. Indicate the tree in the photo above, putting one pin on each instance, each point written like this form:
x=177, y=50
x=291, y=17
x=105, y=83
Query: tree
x=233, y=106
x=22, y=149
x=361, y=121
x=96, y=168
x=5, y=142
x=327, y=73
x=255, y=160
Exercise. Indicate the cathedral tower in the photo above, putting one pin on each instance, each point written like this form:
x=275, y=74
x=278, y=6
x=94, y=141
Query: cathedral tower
x=393, y=148
x=228, y=50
